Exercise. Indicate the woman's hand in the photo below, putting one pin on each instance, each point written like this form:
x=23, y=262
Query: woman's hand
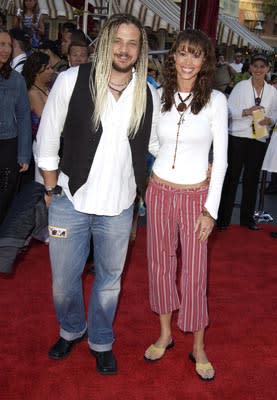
x=265, y=122
x=248, y=111
x=23, y=167
x=204, y=225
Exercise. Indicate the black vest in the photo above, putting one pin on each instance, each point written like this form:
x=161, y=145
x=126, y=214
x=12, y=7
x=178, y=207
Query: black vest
x=80, y=139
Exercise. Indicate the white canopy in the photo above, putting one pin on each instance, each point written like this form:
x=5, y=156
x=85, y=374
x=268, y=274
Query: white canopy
x=230, y=31
x=155, y=14
x=152, y=13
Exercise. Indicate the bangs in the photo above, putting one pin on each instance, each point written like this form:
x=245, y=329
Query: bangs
x=193, y=47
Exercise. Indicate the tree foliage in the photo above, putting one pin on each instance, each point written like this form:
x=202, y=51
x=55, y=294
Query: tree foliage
x=270, y=7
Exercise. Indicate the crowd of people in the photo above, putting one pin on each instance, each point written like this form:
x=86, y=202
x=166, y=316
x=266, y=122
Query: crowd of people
x=29, y=67
x=111, y=113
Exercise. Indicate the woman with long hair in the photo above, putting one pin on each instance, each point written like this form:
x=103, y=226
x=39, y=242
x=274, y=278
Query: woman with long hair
x=15, y=126
x=181, y=203
x=31, y=21
x=37, y=72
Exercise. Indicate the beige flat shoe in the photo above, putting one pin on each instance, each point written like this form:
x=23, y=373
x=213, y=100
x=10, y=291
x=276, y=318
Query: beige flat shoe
x=155, y=353
x=203, y=370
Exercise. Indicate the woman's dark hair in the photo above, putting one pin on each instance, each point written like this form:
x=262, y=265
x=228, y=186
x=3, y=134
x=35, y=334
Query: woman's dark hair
x=6, y=69
x=69, y=27
x=245, y=67
x=49, y=45
x=35, y=11
x=193, y=41
x=35, y=63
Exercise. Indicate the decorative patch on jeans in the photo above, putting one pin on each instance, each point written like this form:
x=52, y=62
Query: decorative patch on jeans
x=57, y=232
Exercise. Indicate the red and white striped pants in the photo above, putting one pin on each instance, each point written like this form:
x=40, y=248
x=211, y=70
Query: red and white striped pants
x=171, y=211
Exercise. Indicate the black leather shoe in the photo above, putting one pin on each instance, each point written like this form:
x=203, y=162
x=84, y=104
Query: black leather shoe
x=105, y=362
x=63, y=347
x=252, y=226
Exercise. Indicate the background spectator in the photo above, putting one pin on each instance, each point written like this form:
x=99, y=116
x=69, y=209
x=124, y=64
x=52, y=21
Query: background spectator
x=32, y=21
x=15, y=125
x=37, y=72
x=244, y=74
x=77, y=54
x=153, y=72
x=246, y=150
x=68, y=36
x=21, y=45
x=57, y=63
x=223, y=75
x=237, y=63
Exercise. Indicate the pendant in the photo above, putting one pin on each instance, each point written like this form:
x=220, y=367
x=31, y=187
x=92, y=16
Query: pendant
x=181, y=107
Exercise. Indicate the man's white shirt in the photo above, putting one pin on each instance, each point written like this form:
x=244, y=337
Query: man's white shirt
x=110, y=187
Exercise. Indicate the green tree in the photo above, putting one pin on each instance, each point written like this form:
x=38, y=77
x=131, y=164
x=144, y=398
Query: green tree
x=270, y=7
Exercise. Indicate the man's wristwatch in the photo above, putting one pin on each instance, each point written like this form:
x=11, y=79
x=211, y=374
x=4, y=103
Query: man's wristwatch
x=53, y=190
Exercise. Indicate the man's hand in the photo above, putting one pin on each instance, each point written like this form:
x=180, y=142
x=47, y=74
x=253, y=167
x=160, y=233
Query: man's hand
x=24, y=167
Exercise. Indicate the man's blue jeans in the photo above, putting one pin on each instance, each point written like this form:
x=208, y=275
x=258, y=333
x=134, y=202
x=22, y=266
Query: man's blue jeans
x=70, y=233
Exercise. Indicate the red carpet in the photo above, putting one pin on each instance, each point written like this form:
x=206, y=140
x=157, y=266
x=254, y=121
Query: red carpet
x=241, y=340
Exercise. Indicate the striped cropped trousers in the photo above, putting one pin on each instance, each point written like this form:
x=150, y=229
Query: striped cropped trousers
x=171, y=213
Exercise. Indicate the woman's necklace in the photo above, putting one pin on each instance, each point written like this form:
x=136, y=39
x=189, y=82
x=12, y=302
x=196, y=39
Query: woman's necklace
x=179, y=123
x=181, y=108
x=258, y=99
x=42, y=91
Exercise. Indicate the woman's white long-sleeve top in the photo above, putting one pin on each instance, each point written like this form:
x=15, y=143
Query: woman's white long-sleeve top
x=243, y=97
x=197, y=133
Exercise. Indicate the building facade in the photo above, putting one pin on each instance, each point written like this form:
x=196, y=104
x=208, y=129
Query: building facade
x=252, y=15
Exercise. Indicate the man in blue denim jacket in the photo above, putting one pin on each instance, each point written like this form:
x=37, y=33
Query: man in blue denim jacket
x=15, y=125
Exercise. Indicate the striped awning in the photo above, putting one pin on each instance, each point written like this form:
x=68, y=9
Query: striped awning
x=152, y=13
x=231, y=32
x=52, y=8
x=56, y=8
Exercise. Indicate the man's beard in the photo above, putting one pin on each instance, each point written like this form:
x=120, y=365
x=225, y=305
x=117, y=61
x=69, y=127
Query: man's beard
x=123, y=70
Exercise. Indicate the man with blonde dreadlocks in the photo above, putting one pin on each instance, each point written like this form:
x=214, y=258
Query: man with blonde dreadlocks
x=106, y=112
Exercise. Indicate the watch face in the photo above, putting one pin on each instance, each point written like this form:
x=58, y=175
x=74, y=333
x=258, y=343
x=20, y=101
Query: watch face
x=57, y=190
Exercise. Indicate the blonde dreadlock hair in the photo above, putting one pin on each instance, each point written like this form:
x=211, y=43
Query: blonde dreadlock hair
x=102, y=67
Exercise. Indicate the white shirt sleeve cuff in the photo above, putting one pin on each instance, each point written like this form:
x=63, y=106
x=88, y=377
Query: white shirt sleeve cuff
x=49, y=163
